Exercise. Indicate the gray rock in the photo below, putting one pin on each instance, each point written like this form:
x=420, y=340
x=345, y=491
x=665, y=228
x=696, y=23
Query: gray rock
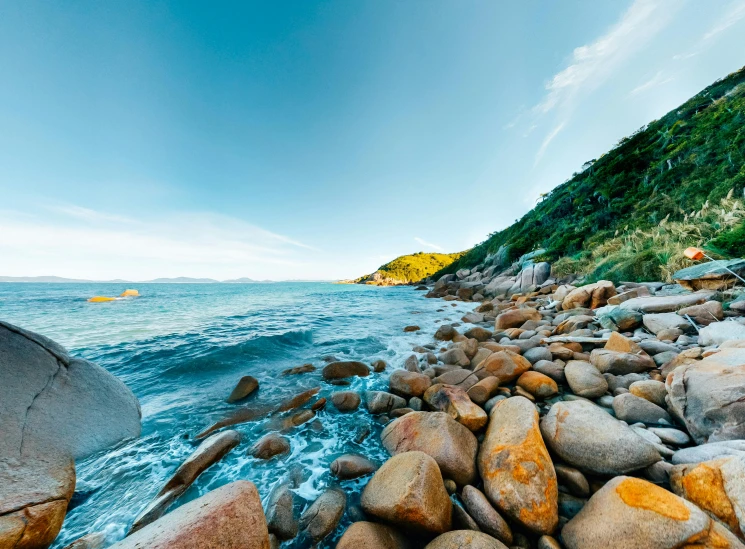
x=651, y=390
x=537, y=353
x=323, y=515
x=654, y=347
x=380, y=402
x=616, y=363
x=671, y=436
x=624, y=381
x=584, y=379
x=717, y=333
x=708, y=452
x=552, y=369
x=586, y=437
x=658, y=322
x=666, y=304
x=660, y=359
x=570, y=505
x=631, y=409
x=484, y=514
x=573, y=480
x=280, y=512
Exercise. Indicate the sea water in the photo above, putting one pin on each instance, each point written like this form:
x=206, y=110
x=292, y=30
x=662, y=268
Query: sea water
x=181, y=348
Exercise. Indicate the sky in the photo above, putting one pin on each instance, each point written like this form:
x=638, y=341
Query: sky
x=317, y=140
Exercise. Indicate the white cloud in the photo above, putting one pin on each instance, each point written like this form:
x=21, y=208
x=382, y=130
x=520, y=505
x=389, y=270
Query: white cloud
x=428, y=244
x=547, y=141
x=657, y=80
x=728, y=19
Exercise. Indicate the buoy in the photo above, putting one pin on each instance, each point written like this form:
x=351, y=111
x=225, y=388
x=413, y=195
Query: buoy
x=130, y=293
x=100, y=299
x=693, y=253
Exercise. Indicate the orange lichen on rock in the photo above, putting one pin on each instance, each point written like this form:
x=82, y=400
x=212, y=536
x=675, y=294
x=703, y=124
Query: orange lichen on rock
x=644, y=495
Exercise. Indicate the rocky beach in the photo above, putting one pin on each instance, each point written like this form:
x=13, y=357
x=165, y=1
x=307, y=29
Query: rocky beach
x=552, y=414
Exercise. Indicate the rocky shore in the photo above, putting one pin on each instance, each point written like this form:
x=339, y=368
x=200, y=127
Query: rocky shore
x=554, y=414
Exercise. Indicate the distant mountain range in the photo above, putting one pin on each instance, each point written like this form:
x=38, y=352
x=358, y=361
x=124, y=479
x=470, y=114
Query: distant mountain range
x=176, y=280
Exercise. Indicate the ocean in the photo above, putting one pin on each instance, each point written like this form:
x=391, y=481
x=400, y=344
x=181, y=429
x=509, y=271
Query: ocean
x=181, y=348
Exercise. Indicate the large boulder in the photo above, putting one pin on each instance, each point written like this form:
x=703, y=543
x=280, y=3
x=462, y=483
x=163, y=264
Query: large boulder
x=585, y=436
x=437, y=434
x=713, y=275
x=455, y=402
x=584, y=379
x=613, y=362
x=54, y=409
x=631, y=513
x=408, y=491
x=369, y=535
x=591, y=295
x=709, y=397
x=346, y=368
x=705, y=314
x=717, y=333
x=666, y=303
x=505, y=365
x=229, y=517
x=518, y=473
x=409, y=384
x=459, y=539
x=514, y=318
x=322, y=516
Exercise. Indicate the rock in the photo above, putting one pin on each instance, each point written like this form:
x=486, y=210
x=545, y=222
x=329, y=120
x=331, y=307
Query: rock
x=487, y=518
x=660, y=359
x=351, y=466
x=304, y=369
x=209, y=452
x=298, y=400
x=280, y=512
x=514, y=318
x=459, y=539
x=472, y=318
x=624, y=381
x=537, y=384
x=553, y=369
x=411, y=329
x=438, y=435
x=704, y=314
x=632, y=513
x=345, y=401
x=506, y=366
x=620, y=319
x=461, y=519
x=246, y=386
x=573, y=479
x=408, y=491
x=548, y=542
x=537, y=353
x=445, y=333
x=465, y=379
x=455, y=402
x=659, y=322
x=270, y=445
x=478, y=333
x=612, y=362
x=94, y=540
x=584, y=379
x=322, y=516
x=379, y=366
x=709, y=397
x=570, y=505
x=591, y=295
x=229, y=517
x=409, y=384
x=455, y=356
x=633, y=409
x=483, y=390
x=586, y=437
x=654, y=347
x=665, y=304
x=717, y=333
x=411, y=364
x=340, y=370
x=670, y=436
x=369, y=535
x=319, y=404
x=710, y=451
x=380, y=402
x=710, y=275
x=641, y=291
x=717, y=487
x=516, y=468
x=651, y=390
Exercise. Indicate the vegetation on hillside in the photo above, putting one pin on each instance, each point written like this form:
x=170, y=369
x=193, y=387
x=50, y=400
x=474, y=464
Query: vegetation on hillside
x=416, y=267
x=628, y=215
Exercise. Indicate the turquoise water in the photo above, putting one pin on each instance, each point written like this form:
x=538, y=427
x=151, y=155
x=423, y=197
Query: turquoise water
x=182, y=347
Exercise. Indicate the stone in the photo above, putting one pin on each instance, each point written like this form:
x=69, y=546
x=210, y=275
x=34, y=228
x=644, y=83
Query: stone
x=323, y=515
x=380, y=402
x=483, y=390
x=704, y=314
x=478, y=333
x=537, y=384
x=370, y=535
x=710, y=451
x=445, y=333
x=624, y=381
x=270, y=445
x=209, y=452
x=709, y=397
x=246, y=386
x=640, y=291
x=455, y=402
x=280, y=512
x=651, y=390
x=548, y=542
x=455, y=356
x=472, y=318
x=584, y=379
x=438, y=435
x=379, y=366
x=408, y=384
x=229, y=517
x=408, y=491
x=666, y=304
x=351, y=466
x=343, y=369
x=659, y=322
x=635, y=514
x=345, y=401
x=553, y=369
x=514, y=318
x=412, y=364
x=94, y=540
x=712, y=275
x=304, y=369
x=506, y=366
x=612, y=362
x=586, y=437
x=538, y=353
x=459, y=539
x=717, y=333
x=671, y=436
x=298, y=400
x=660, y=359
x=486, y=517
x=591, y=295
x=633, y=409
x=573, y=480
x=517, y=471
x=411, y=328
x=465, y=379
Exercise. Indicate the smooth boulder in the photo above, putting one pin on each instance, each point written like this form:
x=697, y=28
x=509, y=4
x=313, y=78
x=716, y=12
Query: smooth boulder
x=460, y=539
x=323, y=515
x=342, y=369
x=370, y=535
x=455, y=402
x=584, y=379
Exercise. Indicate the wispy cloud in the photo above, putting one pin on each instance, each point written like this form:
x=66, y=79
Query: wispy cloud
x=657, y=80
x=731, y=17
x=428, y=244
x=547, y=141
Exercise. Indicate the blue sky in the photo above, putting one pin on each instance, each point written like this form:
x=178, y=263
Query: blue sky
x=317, y=139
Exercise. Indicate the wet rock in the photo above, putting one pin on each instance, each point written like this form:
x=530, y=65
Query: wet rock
x=380, y=402
x=586, y=437
x=323, y=515
x=585, y=380
x=573, y=480
x=246, y=386
x=516, y=468
x=408, y=491
x=304, y=369
x=478, y=333
x=408, y=384
x=351, y=466
x=236, y=417
x=350, y=368
x=459, y=539
x=280, y=512
x=455, y=402
x=709, y=397
x=485, y=516
x=319, y=404
x=612, y=362
x=537, y=384
x=515, y=318
x=369, y=535
x=483, y=390
x=228, y=517
x=649, y=389
x=379, y=366
x=455, y=356
x=270, y=445
x=506, y=366
x=633, y=409
x=412, y=364
x=346, y=401
x=445, y=332
x=411, y=329
x=298, y=400
x=438, y=435
x=635, y=514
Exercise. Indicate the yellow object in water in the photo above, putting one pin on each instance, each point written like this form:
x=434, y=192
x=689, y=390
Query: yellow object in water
x=130, y=293
x=100, y=299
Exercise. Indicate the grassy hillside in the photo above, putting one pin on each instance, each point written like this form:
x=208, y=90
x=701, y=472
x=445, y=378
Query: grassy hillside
x=415, y=267
x=629, y=214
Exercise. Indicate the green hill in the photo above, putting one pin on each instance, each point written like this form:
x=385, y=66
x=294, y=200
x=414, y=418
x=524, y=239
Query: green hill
x=629, y=214
x=409, y=268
